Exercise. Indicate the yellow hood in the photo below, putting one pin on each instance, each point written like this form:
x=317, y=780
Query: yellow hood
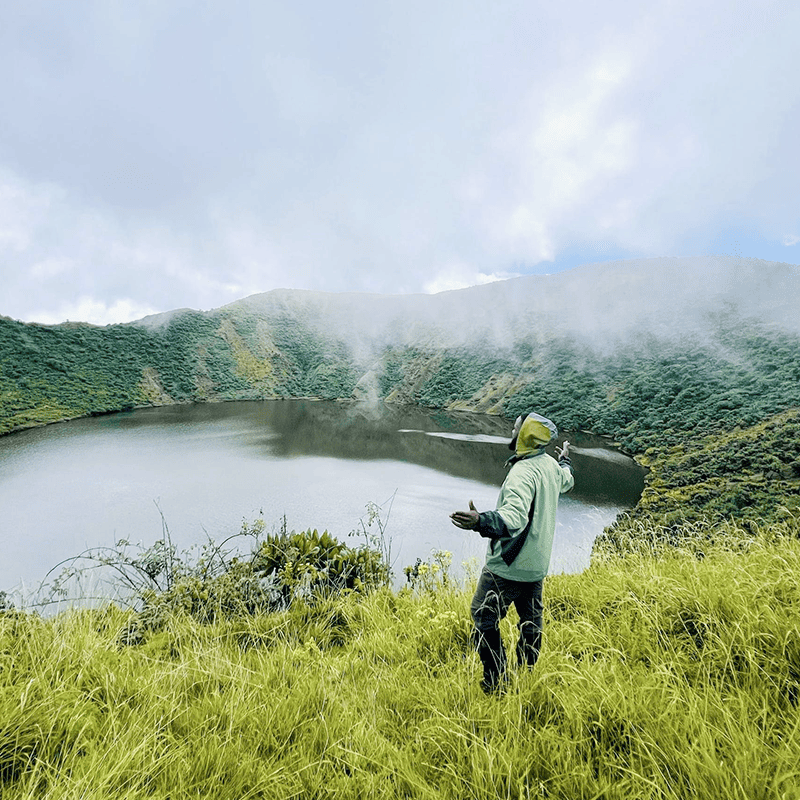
x=535, y=433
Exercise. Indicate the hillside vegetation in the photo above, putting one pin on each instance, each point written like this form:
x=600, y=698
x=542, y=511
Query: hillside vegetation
x=689, y=407
x=657, y=680
x=64, y=371
x=639, y=393
x=671, y=666
x=642, y=349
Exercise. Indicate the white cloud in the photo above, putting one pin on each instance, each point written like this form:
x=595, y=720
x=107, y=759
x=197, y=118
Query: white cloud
x=51, y=267
x=571, y=143
x=300, y=145
x=63, y=259
x=23, y=206
x=790, y=240
x=460, y=276
x=97, y=312
x=652, y=141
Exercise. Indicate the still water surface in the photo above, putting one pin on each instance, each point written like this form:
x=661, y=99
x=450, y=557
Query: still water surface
x=206, y=468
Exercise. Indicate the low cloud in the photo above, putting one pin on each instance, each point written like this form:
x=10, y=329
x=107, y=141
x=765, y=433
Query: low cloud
x=94, y=311
x=152, y=158
x=460, y=277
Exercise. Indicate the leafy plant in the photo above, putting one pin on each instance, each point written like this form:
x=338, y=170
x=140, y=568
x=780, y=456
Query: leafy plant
x=432, y=575
x=281, y=569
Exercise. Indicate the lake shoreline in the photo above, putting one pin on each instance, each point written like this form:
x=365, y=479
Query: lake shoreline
x=208, y=466
x=608, y=440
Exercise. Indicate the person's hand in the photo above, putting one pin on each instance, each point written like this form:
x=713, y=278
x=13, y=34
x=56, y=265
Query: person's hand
x=563, y=452
x=468, y=520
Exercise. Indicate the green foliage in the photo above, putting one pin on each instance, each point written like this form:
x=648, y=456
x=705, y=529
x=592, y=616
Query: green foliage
x=432, y=575
x=656, y=680
x=736, y=380
x=315, y=366
x=308, y=564
x=50, y=373
x=659, y=536
x=460, y=374
x=393, y=369
x=641, y=394
x=332, y=380
x=282, y=569
x=750, y=474
x=565, y=384
x=770, y=449
x=47, y=374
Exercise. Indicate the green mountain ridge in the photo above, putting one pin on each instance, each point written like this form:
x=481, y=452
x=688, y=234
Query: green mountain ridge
x=674, y=676
x=656, y=354
x=481, y=349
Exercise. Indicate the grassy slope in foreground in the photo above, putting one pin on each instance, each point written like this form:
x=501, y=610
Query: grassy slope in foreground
x=660, y=678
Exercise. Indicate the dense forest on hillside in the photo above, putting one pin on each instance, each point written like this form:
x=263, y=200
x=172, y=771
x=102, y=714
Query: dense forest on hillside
x=52, y=373
x=688, y=407
x=640, y=393
x=298, y=671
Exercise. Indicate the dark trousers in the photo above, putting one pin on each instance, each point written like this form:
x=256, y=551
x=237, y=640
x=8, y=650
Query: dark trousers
x=489, y=605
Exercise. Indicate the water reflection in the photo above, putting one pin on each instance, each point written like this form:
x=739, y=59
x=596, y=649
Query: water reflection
x=471, y=446
x=89, y=482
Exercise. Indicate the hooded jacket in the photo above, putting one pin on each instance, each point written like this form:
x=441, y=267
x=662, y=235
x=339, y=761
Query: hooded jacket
x=522, y=527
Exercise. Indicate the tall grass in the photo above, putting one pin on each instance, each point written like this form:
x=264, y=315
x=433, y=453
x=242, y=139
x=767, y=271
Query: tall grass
x=674, y=677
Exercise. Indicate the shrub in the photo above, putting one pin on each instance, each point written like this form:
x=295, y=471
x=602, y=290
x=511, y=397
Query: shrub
x=281, y=569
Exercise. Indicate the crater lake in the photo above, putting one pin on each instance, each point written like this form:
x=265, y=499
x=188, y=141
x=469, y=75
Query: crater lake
x=202, y=470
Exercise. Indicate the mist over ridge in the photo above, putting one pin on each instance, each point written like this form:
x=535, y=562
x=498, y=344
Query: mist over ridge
x=624, y=349
x=602, y=304
x=691, y=365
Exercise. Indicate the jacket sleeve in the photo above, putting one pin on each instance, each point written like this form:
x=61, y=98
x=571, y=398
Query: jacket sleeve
x=492, y=526
x=511, y=515
x=567, y=477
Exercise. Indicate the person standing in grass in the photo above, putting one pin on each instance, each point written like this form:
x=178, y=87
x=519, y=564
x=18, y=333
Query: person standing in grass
x=520, y=533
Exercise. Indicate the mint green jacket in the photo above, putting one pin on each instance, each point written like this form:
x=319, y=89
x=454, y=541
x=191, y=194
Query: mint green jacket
x=538, y=480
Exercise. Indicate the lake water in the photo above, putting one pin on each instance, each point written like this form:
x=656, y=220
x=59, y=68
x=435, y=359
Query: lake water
x=207, y=468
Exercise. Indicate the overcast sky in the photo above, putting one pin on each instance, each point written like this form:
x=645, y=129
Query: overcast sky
x=157, y=154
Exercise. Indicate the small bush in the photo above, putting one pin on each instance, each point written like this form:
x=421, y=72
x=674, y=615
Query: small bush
x=281, y=569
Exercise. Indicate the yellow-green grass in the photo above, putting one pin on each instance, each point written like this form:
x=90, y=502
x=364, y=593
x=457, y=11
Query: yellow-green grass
x=660, y=677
